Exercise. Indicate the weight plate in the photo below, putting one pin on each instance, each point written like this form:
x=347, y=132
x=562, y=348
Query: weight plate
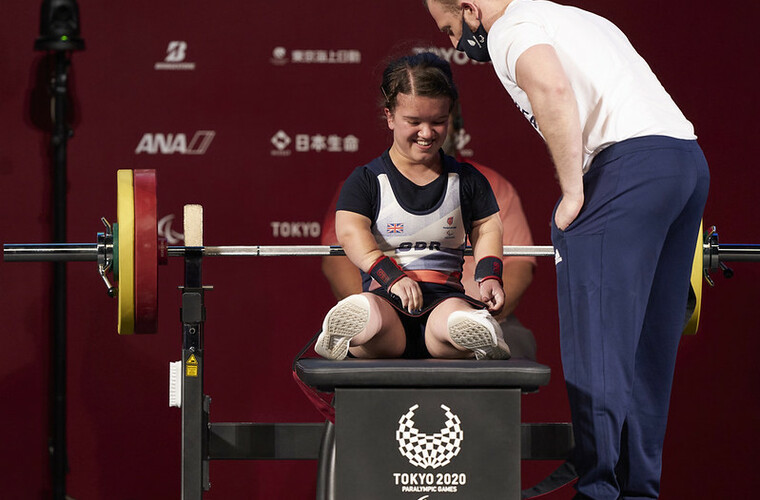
x=125, y=214
x=146, y=252
x=694, y=304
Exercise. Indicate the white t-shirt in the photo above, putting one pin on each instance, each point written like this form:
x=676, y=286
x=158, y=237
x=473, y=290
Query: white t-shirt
x=618, y=95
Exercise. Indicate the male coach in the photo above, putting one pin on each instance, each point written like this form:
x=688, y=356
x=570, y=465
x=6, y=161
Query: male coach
x=634, y=184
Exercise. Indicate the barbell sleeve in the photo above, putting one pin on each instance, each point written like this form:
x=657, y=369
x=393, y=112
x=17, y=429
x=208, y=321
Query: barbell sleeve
x=732, y=252
x=51, y=252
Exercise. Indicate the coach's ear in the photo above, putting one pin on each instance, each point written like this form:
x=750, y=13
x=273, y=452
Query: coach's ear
x=472, y=14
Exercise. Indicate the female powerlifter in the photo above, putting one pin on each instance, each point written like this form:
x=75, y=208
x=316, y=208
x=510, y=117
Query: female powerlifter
x=404, y=219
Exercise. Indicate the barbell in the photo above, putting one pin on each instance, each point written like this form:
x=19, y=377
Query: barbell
x=129, y=252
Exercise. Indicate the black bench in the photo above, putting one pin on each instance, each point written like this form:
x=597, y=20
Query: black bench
x=446, y=428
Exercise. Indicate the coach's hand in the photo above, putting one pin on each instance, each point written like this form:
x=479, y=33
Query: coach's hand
x=567, y=211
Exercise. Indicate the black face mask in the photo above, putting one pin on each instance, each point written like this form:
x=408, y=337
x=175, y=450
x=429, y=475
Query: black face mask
x=474, y=44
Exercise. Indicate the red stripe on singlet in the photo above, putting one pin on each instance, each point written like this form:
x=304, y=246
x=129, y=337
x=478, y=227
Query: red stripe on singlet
x=441, y=278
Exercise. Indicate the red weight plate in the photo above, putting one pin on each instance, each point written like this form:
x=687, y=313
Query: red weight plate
x=146, y=253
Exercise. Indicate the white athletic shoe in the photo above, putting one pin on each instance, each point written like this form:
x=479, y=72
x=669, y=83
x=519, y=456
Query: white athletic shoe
x=479, y=332
x=343, y=322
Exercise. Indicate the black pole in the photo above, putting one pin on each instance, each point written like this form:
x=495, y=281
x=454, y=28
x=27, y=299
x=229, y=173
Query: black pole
x=59, y=460
x=59, y=34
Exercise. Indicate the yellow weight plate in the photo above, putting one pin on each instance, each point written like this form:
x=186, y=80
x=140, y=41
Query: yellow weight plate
x=125, y=214
x=694, y=305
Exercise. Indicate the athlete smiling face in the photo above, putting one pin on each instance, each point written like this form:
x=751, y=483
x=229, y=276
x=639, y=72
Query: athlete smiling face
x=419, y=126
x=418, y=93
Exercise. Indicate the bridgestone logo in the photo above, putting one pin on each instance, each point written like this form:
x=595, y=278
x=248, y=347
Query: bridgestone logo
x=176, y=52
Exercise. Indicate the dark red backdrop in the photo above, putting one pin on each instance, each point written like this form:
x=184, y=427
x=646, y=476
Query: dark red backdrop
x=256, y=110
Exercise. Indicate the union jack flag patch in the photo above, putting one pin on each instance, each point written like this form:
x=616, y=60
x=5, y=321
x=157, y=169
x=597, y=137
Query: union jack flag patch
x=396, y=228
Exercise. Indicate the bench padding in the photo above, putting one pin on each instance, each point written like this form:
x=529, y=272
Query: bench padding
x=325, y=375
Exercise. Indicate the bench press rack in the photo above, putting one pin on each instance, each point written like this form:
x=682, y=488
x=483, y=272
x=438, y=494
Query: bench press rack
x=204, y=440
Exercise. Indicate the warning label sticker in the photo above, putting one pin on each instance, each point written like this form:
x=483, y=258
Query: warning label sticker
x=191, y=366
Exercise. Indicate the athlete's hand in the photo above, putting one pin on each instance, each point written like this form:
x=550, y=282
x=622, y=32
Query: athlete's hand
x=492, y=295
x=567, y=210
x=409, y=292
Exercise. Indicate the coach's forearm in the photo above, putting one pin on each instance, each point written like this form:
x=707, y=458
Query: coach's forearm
x=540, y=74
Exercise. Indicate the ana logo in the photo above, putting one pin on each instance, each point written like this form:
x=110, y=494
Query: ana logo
x=434, y=450
x=176, y=52
x=167, y=144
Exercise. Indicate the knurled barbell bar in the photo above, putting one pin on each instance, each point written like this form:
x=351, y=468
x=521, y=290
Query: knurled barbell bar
x=131, y=251
x=90, y=252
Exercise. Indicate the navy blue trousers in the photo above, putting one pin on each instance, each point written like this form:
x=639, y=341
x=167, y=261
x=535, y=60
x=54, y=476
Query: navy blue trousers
x=623, y=270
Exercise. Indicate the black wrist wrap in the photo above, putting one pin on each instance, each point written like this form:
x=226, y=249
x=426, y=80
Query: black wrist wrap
x=386, y=272
x=489, y=268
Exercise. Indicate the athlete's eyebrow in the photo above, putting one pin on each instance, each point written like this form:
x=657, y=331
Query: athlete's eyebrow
x=418, y=118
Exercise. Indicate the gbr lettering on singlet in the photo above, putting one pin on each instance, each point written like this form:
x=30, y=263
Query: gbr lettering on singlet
x=418, y=245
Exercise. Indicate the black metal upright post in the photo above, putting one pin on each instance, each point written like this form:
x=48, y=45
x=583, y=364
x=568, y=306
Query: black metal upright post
x=194, y=402
x=59, y=459
x=59, y=35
